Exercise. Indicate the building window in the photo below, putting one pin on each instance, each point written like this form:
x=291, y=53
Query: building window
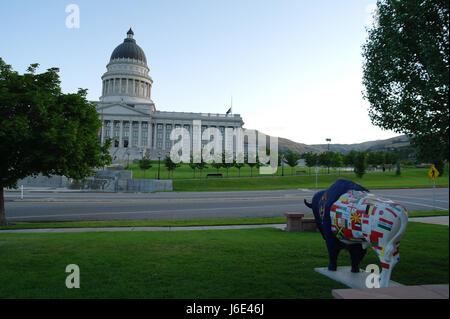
x=144, y=138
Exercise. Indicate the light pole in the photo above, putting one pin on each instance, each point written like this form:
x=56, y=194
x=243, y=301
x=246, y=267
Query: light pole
x=328, y=140
x=159, y=162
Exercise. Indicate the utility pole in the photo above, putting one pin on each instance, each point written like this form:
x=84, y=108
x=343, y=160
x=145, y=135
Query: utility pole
x=328, y=140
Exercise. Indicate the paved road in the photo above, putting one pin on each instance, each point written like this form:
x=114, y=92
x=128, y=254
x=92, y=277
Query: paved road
x=74, y=206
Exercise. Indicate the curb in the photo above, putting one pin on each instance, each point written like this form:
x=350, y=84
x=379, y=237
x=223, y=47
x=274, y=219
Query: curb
x=120, y=229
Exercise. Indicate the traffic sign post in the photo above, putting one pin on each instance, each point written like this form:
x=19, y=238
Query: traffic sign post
x=433, y=173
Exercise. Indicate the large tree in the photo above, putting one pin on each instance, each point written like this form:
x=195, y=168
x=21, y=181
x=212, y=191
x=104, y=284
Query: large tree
x=44, y=131
x=325, y=159
x=311, y=160
x=406, y=72
x=145, y=164
x=291, y=159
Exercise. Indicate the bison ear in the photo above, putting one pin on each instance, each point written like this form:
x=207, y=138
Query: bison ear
x=308, y=204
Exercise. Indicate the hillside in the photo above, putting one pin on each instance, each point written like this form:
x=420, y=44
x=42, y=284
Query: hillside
x=391, y=143
x=397, y=143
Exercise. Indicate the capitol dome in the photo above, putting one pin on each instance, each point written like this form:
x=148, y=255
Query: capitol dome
x=129, y=49
x=127, y=77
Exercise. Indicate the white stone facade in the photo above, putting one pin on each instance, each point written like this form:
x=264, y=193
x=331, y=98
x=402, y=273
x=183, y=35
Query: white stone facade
x=130, y=118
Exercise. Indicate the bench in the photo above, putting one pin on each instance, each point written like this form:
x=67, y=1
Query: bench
x=214, y=175
x=296, y=222
x=301, y=172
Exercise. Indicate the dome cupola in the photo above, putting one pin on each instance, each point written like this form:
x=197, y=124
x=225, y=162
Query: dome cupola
x=127, y=78
x=129, y=49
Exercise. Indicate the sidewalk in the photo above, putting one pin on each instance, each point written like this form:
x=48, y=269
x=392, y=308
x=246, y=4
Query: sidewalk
x=436, y=220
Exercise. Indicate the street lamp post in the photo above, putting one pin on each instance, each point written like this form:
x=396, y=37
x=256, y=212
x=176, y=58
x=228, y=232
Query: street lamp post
x=328, y=140
x=159, y=163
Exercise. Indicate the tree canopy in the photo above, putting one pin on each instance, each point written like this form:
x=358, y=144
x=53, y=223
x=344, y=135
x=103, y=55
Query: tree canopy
x=44, y=131
x=406, y=72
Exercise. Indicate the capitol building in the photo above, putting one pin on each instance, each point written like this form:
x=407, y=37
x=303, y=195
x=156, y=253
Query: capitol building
x=129, y=115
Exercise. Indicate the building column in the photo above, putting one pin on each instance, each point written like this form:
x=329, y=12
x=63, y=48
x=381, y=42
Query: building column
x=130, y=136
x=164, y=137
x=139, y=144
x=155, y=135
x=121, y=134
x=149, y=134
x=102, y=133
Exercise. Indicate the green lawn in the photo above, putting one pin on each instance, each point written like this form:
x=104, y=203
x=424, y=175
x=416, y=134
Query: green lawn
x=409, y=178
x=255, y=263
x=176, y=222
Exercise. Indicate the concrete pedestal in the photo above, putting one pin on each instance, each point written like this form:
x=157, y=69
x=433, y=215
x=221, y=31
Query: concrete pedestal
x=294, y=221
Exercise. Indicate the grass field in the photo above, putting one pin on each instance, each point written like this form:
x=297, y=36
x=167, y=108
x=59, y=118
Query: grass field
x=176, y=222
x=409, y=178
x=256, y=263
x=183, y=178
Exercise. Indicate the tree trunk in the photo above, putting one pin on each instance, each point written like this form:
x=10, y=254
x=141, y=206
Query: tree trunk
x=3, y=221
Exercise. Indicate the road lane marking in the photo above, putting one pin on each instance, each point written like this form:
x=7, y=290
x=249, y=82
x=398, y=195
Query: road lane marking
x=51, y=200
x=418, y=204
x=428, y=199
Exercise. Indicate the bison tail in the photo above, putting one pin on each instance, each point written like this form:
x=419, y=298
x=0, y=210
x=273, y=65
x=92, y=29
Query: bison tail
x=403, y=216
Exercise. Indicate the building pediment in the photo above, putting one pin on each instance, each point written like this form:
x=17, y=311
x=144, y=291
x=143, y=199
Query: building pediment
x=120, y=110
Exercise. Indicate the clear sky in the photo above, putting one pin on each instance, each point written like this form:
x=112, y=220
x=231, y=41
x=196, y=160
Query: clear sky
x=292, y=67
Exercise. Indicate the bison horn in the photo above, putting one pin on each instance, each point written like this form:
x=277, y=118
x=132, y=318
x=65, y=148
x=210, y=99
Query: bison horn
x=308, y=204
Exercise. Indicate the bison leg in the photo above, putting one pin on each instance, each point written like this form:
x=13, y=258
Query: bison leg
x=388, y=261
x=333, y=253
x=385, y=275
x=356, y=254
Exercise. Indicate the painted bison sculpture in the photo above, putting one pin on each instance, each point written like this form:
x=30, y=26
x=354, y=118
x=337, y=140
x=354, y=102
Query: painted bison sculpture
x=350, y=217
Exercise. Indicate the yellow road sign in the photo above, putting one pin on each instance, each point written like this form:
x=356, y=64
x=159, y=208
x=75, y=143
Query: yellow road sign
x=433, y=173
